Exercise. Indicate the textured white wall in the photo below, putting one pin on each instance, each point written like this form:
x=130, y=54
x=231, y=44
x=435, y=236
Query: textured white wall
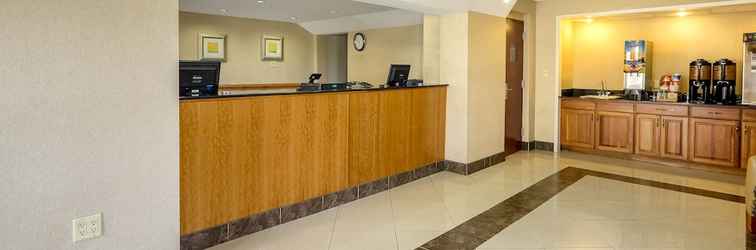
x=89, y=122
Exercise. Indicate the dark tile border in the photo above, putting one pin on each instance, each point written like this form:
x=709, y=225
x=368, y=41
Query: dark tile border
x=546, y=146
x=257, y=222
x=527, y=146
x=474, y=232
x=473, y=167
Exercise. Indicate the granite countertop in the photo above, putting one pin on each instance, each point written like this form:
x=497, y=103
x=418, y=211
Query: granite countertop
x=229, y=93
x=739, y=105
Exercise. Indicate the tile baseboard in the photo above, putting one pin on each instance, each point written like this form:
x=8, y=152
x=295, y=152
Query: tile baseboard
x=473, y=167
x=257, y=222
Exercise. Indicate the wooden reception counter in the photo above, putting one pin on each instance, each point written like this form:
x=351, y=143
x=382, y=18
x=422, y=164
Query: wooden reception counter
x=250, y=154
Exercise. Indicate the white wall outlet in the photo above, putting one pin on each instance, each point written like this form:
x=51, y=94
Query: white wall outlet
x=89, y=227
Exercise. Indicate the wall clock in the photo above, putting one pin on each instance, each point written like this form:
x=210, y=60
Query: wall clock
x=359, y=41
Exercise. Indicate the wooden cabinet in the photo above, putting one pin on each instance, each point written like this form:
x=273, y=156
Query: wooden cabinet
x=576, y=128
x=714, y=142
x=424, y=126
x=748, y=144
x=614, y=131
x=661, y=136
x=674, y=138
x=647, y=134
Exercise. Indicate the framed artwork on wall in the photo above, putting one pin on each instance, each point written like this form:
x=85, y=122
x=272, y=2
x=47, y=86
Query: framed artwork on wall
x=212, y=47
x=272, y=48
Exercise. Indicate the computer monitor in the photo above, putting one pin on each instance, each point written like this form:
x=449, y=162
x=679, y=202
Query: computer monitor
x=398, y=75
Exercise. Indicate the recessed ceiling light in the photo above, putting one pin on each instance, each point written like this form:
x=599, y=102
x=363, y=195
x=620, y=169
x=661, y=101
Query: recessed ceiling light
x=332, y=12
x=293, y=18
x=682, y=13
x=260, y=1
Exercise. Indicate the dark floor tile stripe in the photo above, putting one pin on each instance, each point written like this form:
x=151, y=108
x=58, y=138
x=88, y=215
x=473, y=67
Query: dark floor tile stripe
x=668, y=186
x=474, y=232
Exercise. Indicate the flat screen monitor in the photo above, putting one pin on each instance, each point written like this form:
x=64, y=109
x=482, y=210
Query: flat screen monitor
x=398, y=75
x=199, y=73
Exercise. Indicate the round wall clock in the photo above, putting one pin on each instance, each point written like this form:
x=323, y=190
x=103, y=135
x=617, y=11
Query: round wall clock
x=359, y=41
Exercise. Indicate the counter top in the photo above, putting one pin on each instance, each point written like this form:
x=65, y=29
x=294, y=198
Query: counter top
x=662, y=103
x=230, y=93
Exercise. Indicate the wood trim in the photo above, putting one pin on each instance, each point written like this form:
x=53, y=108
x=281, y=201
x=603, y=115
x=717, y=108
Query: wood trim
x=748, y=143
x=657, y=109
x=715, y=113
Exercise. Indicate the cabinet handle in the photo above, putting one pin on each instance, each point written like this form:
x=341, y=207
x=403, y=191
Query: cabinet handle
x=663, y=110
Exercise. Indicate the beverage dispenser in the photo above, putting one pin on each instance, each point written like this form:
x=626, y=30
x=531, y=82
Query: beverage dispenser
x=699, y=88
x=725, y=75
x=637, y=67
x=749, y=69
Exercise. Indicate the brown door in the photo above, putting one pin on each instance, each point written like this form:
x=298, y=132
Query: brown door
x=748, y=147
x=674, y=137
x=647, y=133
x=513, y=131
x=714, y=142
x=614, y=131
x=577, y=128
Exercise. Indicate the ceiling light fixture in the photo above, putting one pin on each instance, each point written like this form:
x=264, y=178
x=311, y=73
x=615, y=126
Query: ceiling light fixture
x=332, y=12
x=589, y=19
x=682, y=13
x=224, y=11
x=293, y=18
x=260, y=1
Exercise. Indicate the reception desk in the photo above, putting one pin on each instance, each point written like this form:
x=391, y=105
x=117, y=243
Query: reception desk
x=290, y=154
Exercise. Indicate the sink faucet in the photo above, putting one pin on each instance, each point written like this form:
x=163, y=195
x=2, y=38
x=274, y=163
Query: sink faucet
x=603, y=92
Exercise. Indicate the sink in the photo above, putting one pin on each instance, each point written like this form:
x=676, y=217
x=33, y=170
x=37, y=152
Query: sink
x=601, y=97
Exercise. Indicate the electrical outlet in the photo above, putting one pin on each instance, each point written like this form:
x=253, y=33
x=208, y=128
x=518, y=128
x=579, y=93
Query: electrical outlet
x=89, y=227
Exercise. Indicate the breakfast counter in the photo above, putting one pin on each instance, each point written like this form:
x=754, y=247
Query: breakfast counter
x=682, y=134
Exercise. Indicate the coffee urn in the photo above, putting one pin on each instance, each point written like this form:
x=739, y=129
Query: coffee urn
x=725, y=72
x=699, y=89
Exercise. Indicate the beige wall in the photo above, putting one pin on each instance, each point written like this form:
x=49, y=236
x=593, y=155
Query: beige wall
x=243, y=57
x=547, y=52
x=431, y=47
x=487, y=85
x=677, y=41
x=331, y=58
x=89, y=123
x=401, y=45
x=472, y=53
x=453, y=52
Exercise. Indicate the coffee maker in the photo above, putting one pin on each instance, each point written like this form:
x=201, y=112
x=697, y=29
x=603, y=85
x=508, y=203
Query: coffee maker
x=699, y=88
x=725, y=72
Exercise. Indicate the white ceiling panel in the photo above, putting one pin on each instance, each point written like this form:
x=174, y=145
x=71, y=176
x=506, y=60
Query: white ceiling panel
x=296, y=11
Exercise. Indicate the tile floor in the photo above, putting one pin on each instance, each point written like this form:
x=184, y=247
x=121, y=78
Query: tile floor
x=594, y=213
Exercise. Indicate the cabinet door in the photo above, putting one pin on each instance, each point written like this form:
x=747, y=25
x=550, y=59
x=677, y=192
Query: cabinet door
x=577, y=128
x=647, y=134
x=748, y=146
x=674, y=137
x=614, y=131
x=714, y=142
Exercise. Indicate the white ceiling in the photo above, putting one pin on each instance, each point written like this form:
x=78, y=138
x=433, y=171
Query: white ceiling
x=282, y=10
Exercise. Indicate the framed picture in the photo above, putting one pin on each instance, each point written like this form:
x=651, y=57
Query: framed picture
x=212, y=47
x=272, y=48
